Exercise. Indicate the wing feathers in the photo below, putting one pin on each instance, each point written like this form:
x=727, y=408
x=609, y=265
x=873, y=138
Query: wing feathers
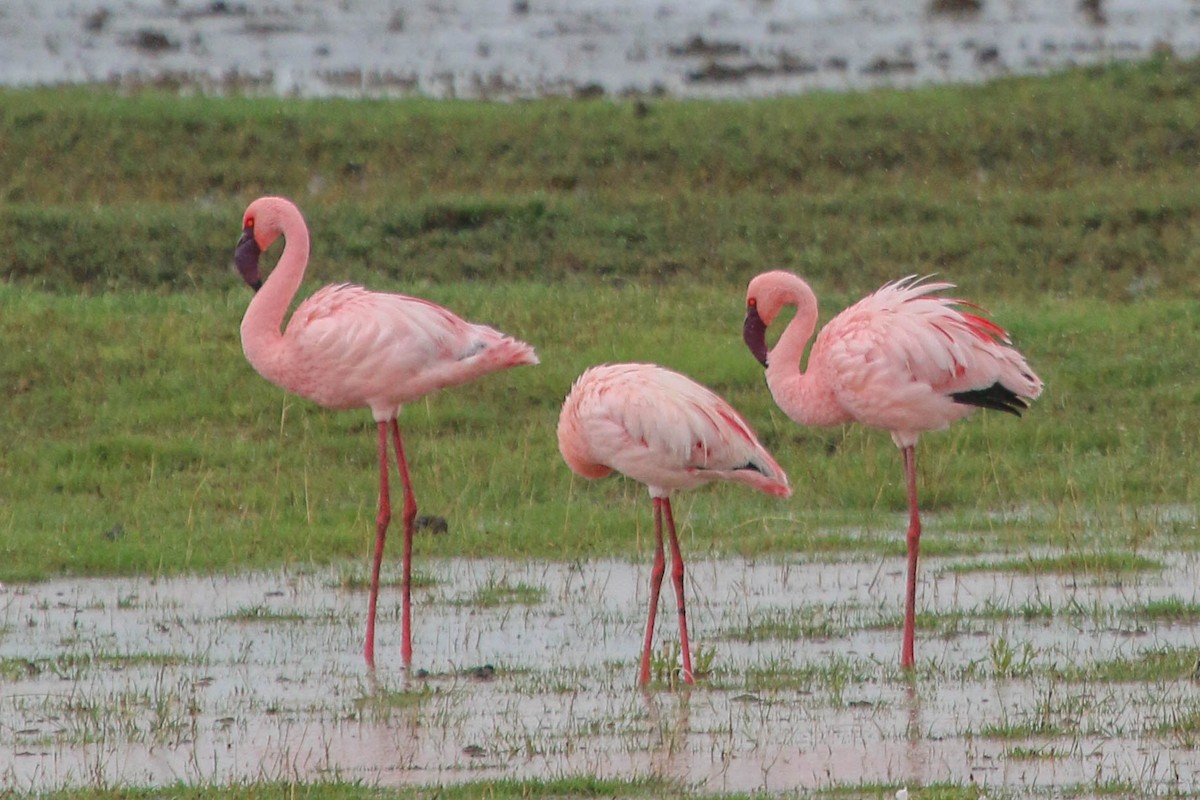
x=662, y=429
x=351, y=347
x=933, y=339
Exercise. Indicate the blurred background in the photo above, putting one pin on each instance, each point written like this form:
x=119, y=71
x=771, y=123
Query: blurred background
x=508, y=49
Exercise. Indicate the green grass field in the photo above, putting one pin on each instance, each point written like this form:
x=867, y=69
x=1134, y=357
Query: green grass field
x=1066, y=206
x=137, y=440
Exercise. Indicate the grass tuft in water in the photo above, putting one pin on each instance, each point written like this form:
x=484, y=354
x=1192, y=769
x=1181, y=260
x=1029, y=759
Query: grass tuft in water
x=1099, y=563
x=500, y=592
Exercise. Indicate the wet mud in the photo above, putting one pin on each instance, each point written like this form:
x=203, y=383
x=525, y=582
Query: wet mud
x=582, y=48
x=260, y=677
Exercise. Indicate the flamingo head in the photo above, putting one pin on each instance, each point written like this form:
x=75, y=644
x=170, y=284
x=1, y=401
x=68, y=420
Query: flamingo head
x=767, y=295
x=262, y=224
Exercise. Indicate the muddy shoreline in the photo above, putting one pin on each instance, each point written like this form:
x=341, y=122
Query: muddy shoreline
x=227, y=679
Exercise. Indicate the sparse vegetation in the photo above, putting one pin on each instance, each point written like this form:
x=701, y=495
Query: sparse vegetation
x=1101, y=563
x=501, y=593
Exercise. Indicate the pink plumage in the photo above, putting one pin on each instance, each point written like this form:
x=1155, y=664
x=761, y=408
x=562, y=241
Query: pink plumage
x=904, y=359
x=346, y=347
x=669, y=432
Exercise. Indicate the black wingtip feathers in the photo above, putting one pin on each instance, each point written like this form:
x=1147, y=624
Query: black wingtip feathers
x=997, y=397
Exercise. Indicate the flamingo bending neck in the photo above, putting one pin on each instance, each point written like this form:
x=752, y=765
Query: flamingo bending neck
x=803, y=397
x=262, y=326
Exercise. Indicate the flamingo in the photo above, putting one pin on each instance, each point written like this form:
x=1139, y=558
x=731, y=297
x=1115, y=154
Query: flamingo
x=903, y=359
x=668, y=432
x=346, y=347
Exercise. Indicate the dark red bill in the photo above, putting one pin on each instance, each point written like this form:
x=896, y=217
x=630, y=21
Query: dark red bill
x=245, y=255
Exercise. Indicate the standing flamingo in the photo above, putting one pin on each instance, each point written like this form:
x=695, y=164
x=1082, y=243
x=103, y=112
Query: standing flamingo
x=668, y=432
x=901, y=359
x=346, y=347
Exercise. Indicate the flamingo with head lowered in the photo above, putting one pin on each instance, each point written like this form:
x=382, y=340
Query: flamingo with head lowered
x=904, y=359
x=346, y=347
x=669, y=432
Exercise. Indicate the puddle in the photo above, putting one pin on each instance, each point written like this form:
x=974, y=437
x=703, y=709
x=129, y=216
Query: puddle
x=260, y=677
x=518, y=48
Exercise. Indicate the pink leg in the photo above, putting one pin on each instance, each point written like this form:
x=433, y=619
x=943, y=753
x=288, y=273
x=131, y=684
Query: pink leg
x=914, y=543
x=656, y=578
x=677, y=579
x=410, y=514
x=381, y=524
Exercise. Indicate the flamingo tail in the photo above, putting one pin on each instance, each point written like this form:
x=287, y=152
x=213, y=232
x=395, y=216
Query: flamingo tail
x=997, y=397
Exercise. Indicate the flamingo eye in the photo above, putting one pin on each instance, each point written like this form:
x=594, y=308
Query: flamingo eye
x=752, y=302
x=248, y=222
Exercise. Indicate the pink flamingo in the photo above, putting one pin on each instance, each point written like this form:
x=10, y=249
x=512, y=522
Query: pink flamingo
x=346, y=347
x=668, y=432
x=901, y=359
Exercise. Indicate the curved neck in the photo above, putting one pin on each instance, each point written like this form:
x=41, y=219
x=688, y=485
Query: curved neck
x=783, y=361
x=803, y=397
x=262, y=326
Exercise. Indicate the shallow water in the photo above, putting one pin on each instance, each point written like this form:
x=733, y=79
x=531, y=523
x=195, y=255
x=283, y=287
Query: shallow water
x=530, y=48
x=138, y=681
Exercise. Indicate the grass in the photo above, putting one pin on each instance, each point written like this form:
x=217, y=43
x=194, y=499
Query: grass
x=1096, y=563
x=500, y=592
x=69, y=668
x=109, y=425
x=262, y=613
x=790, y=623
x=1047, y=753
x=357, y=578
x=1172, y=609
x=800, y=622
x=1148, y=666
x=831, y=677
x=596, y=236
x=1071, y=184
